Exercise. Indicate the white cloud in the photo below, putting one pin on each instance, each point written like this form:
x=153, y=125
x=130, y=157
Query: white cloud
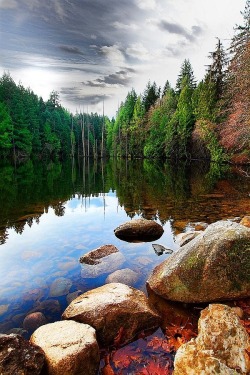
x=123, y=26
x=138, y=51
x=146, y=4
x=8, y=4
x=113, y=54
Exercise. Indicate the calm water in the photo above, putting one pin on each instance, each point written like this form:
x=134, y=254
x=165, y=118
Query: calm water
x=51, y=214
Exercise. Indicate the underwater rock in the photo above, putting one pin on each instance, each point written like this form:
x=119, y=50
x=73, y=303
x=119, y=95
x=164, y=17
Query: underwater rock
x=60, y=287
x=105, y=264
x=183, y=238
x=34, y=321
x=95, y=256
x=124, y=276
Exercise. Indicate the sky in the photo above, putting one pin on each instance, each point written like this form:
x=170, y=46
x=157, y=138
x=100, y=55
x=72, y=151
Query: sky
x=95, y=51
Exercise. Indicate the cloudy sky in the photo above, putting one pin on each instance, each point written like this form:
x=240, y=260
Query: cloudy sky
x=90, y=50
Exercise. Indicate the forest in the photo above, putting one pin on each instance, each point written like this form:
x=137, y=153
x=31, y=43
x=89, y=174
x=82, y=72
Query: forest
x=209, y=119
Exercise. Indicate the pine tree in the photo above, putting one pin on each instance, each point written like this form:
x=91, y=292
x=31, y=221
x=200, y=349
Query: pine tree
x=185, y=77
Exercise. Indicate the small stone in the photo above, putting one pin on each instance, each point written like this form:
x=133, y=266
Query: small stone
x=60, y=287
x=33, y=321
x=71, y=296
x=94, y=257
x=3, y=309
x=183, y=238
x=124, y=276
x=106, y=264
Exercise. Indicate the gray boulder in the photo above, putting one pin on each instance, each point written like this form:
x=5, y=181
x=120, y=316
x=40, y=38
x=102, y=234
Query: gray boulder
x=214, y=266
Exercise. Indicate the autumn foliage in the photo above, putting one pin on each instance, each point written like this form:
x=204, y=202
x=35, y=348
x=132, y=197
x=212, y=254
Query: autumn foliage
x=154, y=354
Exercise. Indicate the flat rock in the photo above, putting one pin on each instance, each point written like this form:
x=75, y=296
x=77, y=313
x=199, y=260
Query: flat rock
x=70, y=348
x=106, y=264
x=124, y=276
x=113, y=310
x=19, y=357
x=139, y=230
x=94, y=257
x=220, y=347
x=214, y=266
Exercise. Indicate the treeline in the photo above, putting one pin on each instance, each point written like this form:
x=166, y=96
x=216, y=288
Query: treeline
x=209, y=119
x=31, y=127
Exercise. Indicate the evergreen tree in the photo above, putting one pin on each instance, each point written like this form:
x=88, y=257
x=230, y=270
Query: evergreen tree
x=185, y=77
x=150, y=95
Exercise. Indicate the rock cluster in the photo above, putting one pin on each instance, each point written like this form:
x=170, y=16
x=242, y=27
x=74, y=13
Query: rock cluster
x=220, y=347
x=113, y=309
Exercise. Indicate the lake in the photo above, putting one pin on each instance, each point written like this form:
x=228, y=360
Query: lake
x=52, y=214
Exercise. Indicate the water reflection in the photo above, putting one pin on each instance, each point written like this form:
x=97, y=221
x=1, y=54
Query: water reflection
x=53, y=214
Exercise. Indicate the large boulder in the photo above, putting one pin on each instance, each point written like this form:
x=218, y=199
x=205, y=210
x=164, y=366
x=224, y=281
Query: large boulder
x=213, y=266
x=19, y=357
x=115, y=310
x=220, y=347
x=70, y=348
x=139, y=230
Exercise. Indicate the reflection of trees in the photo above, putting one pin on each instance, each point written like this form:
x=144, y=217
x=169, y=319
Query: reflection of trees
x=59, y=209
x=148, y=189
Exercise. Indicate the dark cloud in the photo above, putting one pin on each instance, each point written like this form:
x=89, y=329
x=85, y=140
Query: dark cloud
x=120, y=78
x=175, y=28
x=78, y=97
x=71, y=49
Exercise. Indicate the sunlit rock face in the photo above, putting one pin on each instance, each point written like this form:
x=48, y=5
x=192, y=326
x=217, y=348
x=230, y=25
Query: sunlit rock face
x=139, y=230
x=18, y=356
x=114, y=310
x=70, y=348
x=213, y=266
x=220, y=347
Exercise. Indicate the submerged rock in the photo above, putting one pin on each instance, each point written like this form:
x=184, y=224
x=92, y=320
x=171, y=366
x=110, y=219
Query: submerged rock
x=124, y=276
x=220, y=347
x=139, y=230
x=18, y=356
x=114, y=310
x=213, y=266
x=60, y=287
x=106, y=264
x=34, y=321
x=70, y=348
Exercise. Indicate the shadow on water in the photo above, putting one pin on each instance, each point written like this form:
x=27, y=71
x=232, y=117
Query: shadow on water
x=51, y=214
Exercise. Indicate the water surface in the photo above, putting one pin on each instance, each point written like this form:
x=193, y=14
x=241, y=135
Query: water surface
x=51, y=214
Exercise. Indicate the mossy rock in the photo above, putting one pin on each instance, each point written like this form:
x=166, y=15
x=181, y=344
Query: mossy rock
x=212, y=267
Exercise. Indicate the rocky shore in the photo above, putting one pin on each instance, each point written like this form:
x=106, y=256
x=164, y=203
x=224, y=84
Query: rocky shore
x=211, y=266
